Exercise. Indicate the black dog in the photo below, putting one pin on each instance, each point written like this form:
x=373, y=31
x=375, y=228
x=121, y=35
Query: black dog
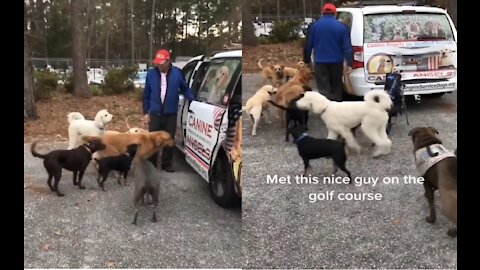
x=75, y=160
x=293, y=115
x=313, y=148
x=120, y=163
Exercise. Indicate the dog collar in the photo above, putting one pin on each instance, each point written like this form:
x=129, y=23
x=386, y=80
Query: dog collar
x=301, y=137
x=88, y=149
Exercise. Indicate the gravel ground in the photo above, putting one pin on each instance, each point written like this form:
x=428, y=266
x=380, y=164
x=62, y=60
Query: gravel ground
x=282, y=229
x=92, y=229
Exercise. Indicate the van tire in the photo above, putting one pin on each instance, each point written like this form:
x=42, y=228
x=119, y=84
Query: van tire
x=221, y=185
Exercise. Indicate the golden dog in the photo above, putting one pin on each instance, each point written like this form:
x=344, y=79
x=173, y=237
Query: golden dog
x=148, y=143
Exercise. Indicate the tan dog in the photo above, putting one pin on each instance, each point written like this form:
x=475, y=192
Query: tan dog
x=131, y=130
x=290, y=72
x=258, y=103
x=438, y=167
x=445, y=58
x=148, y=143
x=292, y=89
x=222, y=77
x=273, y=74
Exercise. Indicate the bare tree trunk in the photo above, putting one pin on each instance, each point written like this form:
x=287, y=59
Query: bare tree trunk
x=133, y=32
x=278, y=10
x=125, y=48
x=150, y=54
x=106, y=48
x=260, y=7
x=452, y=10
x=174, y=34
x=248, y=34
x=80, y=87
x=29, y=106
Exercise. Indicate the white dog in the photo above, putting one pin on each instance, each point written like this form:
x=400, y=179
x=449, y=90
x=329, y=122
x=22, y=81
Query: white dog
x=257, y=103
x=341, y=117
x=78, y=126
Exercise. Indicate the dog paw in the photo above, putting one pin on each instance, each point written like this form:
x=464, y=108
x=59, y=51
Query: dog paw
x=452, y=232
x=430, y=219
x=60, y=194
x=81, y=187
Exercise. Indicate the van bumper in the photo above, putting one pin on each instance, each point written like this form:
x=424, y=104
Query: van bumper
x=361, y=86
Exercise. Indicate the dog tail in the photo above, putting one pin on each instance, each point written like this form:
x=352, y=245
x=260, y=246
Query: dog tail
x=35, y=153
x=126, y=123
x=247, y=108
x=259, y=63
x=278, y=106
x=376, y=97
x=75, y=116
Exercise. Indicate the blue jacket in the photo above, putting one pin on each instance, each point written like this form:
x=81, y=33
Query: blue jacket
x=151, y=93
x=330, y=41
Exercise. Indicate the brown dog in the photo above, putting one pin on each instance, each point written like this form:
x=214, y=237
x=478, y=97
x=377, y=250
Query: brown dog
x=292, y=89
x=438, y=166
x=148, y=143
x=290, y=72
x=273, y=73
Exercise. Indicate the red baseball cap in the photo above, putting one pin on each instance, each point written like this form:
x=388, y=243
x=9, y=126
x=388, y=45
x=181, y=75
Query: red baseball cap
x=329, y=8
x=161, y=56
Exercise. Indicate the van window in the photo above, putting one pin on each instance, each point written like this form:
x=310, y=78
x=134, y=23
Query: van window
x=346, y=18
x=401, y=27
x=216, y=80
x=188, y=70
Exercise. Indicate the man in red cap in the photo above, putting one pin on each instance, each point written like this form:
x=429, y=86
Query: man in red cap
x=330, y=41
x=163, y=85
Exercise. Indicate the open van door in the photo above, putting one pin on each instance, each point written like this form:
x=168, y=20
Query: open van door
x=207, y=119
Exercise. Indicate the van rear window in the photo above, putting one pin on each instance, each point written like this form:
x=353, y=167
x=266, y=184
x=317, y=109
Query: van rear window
x=403, y=26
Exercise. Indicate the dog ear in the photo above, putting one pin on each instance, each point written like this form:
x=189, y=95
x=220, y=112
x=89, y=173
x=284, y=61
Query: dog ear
x=413, y=131
x=163, y=138
x=282, y=66
x=434, y=130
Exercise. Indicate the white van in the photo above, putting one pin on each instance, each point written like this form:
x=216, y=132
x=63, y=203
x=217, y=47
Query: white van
x=419, y=41
x=209, y=128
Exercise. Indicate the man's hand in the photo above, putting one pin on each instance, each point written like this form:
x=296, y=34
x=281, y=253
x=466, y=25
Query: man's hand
x=146, y=119
x=349, y=70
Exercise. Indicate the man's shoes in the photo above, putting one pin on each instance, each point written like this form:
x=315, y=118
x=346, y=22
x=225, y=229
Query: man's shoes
x=168, y=169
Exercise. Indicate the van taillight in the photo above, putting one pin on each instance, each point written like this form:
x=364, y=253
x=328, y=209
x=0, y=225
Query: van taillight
x=357, y=57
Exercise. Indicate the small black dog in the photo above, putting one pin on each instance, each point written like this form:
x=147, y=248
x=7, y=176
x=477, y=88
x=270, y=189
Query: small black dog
x=120, y=163
x=75, y=160
x=293, y=115
x=313, y=148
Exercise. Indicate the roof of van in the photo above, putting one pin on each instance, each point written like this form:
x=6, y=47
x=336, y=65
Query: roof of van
x=233, y=53
x=223, y=54
x=393, y=8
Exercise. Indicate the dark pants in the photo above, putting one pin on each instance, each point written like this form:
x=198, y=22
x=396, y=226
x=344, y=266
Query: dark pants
x=329, y=80
x=167, y=123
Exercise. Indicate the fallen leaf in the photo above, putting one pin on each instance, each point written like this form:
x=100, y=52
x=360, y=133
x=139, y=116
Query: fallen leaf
x=59, y=233
x=45, y=247
x=111, y=264
x=396, y=221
